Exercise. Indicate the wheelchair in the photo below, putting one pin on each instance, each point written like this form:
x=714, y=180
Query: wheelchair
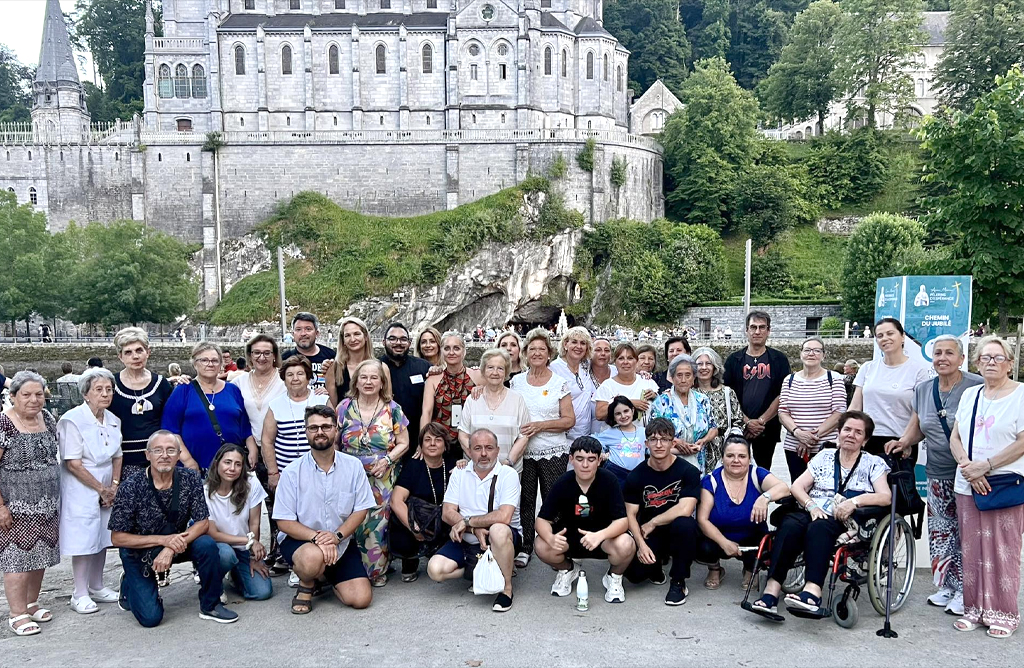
x=855, y=565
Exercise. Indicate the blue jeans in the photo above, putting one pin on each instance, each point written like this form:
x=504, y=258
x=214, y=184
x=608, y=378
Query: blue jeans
x=140, y=585
x=236, y=562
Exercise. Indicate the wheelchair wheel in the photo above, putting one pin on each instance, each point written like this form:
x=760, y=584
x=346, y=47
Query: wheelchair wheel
x=845, y=611
x=794, y=578
x=902, y=566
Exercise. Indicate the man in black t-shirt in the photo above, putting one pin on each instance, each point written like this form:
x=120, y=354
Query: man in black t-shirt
x=661, y=495
x=584, y=517
x=408, y=377
x=305, y=330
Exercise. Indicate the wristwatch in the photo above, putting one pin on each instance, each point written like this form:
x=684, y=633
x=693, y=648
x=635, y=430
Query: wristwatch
x=767, y=495
x=341, y=537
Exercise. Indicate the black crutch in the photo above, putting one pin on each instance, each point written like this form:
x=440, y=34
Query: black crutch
x=886, y=630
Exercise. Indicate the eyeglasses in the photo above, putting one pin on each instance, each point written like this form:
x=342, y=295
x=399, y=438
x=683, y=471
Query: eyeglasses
x=211, y=361
x=660, y=439
x=169, y=452
x=814, y=351
x=258, y=354
x=398, y=339
x=998, y=359
x=314, y=428
x=758, y=328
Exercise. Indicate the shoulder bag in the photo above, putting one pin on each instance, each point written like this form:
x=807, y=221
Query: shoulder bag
x=1007, y=488
x=210, y=413
x=487, y=575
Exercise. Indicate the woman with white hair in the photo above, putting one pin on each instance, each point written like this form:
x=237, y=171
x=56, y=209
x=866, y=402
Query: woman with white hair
x=89, y=438
x=689, y=411
x=725, y=405
x=29, y=501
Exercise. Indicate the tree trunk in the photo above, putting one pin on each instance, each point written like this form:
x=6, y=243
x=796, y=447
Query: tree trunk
x=821, y=122
x=1004, y=318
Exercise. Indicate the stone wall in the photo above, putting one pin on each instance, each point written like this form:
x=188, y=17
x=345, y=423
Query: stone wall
x=842, y=225
x=786, y=320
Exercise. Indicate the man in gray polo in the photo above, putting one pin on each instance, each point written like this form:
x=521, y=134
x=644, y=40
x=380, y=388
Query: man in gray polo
x=322, y=498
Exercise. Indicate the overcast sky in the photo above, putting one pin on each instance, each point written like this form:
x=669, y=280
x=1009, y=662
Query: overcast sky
x=21, y=28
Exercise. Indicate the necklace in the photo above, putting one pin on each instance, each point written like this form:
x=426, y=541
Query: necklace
x=737, y=499
x=364, y=424
x=209, y=395
x=444, y=480
x=945, y=399
x=24, y=425
x=139, y=398
x=985, y=404
x=488, y=396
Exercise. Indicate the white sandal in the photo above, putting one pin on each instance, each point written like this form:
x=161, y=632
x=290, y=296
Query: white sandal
x=84, y=605
x=42, y=615
x=105, y=595
x=29, y=629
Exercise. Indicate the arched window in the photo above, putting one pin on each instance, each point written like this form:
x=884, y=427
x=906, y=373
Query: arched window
x=605, y=73
x=33, y=198
x=164, y=84
x=198, y=81
x=503, y=50
x=381, y=59
x=428, y=59
x=286, y=59
x=547, y=61
x=239, y=59
x=565, y=62
x=332, y=60
x=920, y=87
x=181, y=81
x=188, y=157
x=618, y=78
x=590, y=64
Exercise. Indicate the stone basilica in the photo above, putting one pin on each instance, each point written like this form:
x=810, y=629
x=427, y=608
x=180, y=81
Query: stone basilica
x=389, y=107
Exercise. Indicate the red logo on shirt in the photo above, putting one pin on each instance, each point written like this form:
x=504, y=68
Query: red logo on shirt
x=760, y=371
x=659, y=498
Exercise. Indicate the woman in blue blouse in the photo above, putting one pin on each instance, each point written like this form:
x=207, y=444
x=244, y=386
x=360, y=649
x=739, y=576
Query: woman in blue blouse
x=188, y=410
x=688, y=410
x=733, y=509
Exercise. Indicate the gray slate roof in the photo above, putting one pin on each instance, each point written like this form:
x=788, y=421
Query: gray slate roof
x=56, y=59
x=934, y=24
x=293, y=22
x=588, y=26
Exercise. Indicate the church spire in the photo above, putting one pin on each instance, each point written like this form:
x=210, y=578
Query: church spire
x=56, y=59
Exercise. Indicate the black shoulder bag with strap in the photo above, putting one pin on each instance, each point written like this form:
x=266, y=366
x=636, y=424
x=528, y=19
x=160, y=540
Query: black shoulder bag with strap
x=1007, y=488
x=209, y=410
x=940, y=410
x=424, y=516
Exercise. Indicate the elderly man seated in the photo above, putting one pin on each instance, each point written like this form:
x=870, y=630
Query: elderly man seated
x=160, y=518
x=481, y=505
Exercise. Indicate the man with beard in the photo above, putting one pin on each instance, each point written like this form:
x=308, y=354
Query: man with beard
x=316, y=491
x=408, y=375
x=481, y=505
x=305, y=330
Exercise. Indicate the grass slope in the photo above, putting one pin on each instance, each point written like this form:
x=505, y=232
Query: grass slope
x=815, y=259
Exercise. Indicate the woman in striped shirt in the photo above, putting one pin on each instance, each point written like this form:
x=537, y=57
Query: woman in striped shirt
x=284, y=432
x=811, y=402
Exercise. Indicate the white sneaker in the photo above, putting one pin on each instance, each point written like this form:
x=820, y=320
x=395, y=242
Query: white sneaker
x=293, y=580
x=941, y=598
x=564, y=580
x=956, y=605
x=613, y=591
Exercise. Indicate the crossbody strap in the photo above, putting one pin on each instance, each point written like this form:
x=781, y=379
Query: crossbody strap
x=490, y=499
x=940, y=410
x=840, y=484
x=175, y=496
x=209, y=408
x=974, y=416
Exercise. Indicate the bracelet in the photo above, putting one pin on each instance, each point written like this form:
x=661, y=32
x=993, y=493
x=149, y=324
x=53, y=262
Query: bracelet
x=116, y=482
x=989, y=460
x=274, y=473
x=811, y=503
x=391, y=462
x=252, y=539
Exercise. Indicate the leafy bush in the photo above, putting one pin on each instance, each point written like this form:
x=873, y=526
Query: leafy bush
x=848, y=168
x=884, y=244
x=832, y=326
x=585, y=158
x=619, y=171
x=559, y=168
x=770, y=274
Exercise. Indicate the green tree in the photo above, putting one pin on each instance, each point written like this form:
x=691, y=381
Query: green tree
x=801, y=83
x=877, y=43
x=770, y=273
x=883, y=244
x=758, y=33
x=711, y=37
x=656, y=39
x=984, y=39
x=976, y=160
x=847, y=168
x=707, y=143
x=131, y=273
x=23, y=237
x=114, y=31
x=15, y=80
x=763, y=203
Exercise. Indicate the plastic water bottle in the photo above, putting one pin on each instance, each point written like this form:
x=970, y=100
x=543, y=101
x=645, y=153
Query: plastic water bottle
x=582, y=593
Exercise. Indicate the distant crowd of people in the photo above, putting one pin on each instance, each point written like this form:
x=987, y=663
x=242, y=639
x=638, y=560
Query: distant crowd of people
x=570, y=451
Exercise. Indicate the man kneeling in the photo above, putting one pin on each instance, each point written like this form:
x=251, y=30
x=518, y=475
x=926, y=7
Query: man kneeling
x=481, y=505
x=150, y=524
x=316, y=491
x=584, y=517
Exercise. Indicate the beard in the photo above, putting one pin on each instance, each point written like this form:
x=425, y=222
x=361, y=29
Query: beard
x=398, y=357
x=320, y=445
x=485, y=467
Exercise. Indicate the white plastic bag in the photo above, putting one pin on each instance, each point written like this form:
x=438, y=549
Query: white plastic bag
x=487, y=576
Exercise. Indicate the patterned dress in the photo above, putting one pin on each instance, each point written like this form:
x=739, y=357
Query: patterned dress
x=369, y=443
x=692, y=422
x=452, y=391
x=30, y=486
x=725, y=418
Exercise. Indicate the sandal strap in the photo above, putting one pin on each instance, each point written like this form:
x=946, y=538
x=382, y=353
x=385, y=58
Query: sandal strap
x=305, y=590
x=19, y=618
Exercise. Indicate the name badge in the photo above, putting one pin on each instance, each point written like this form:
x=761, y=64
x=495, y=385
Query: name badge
x=416, y=380
x=456, y=414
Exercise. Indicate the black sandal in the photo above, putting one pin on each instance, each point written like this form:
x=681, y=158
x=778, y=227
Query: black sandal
x=298, y=603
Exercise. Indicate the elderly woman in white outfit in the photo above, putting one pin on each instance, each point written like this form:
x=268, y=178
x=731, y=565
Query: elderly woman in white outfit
x=89, y=439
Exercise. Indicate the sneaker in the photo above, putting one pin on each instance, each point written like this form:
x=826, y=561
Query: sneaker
x=956, y=605
x=613, y=591
x=219, y=614
x=564, y=580
x=195, y=577
x=122, y=595
x=502, y=602
x=293, y=580
x=677, y=593
x=941, y=598
x=658, y=579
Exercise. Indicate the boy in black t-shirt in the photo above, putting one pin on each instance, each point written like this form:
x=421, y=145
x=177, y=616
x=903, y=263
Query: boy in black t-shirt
x=584, y=517
x=661, y=495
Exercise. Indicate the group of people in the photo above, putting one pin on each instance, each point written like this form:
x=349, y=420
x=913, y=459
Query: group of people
x=580, y=451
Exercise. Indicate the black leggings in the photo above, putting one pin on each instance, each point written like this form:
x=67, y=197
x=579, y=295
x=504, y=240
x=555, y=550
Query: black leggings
x=816, y=540
x=547, y=471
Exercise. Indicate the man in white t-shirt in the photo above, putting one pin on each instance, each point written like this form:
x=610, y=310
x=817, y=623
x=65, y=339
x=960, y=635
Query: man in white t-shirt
x=481, y=504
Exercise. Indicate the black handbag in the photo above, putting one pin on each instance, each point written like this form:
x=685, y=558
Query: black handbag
x=424, y=518
x=1007, y=488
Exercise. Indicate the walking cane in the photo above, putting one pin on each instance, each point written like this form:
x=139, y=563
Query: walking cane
x=886, y=630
